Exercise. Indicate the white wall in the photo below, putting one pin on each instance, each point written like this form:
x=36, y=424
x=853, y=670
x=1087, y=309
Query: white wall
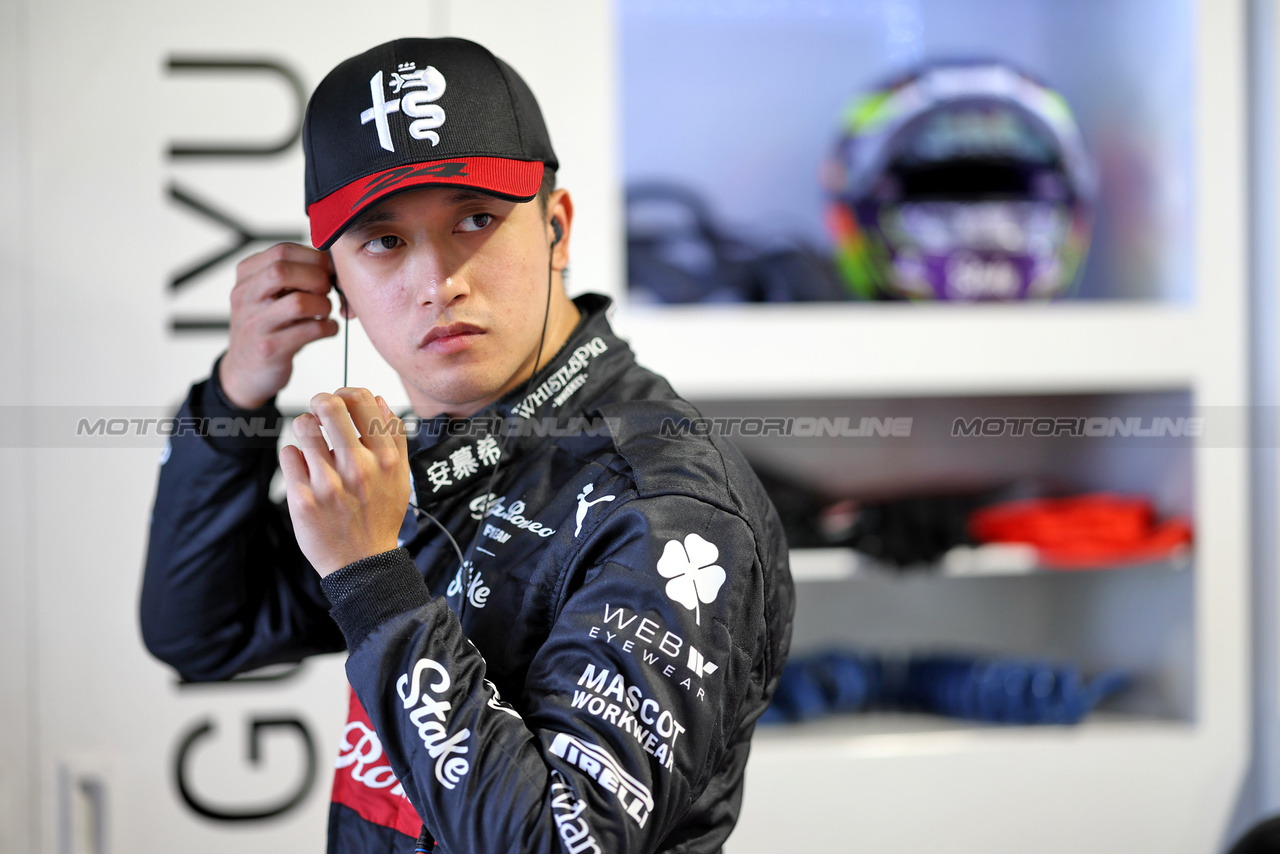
x=15, y=628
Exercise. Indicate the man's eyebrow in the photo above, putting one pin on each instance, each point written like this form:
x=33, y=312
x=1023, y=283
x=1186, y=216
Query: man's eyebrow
x=380, y=215
x=459, y=196
x=373, y=217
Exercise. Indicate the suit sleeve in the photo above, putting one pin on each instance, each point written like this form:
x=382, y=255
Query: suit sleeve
x=653, y=667
x=226, y=588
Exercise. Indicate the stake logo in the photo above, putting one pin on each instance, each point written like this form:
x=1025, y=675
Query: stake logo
x=423, y=87
x=440, y=746
x=477, y=590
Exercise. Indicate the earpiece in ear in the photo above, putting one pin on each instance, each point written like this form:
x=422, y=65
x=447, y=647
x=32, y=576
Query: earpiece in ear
x=342, y=298
x=556, y=229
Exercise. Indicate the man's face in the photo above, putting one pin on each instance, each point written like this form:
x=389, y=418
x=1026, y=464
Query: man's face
x=451, y=287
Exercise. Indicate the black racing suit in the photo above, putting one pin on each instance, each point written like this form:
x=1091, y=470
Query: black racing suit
x=623, y=623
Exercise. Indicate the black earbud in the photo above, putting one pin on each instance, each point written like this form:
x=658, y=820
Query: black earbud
x=556, y=229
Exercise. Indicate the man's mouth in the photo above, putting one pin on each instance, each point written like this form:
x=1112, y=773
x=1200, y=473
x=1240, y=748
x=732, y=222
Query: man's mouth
x=450, y=338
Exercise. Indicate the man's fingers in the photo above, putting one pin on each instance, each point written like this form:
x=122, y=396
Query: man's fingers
x=293, y=465
x=334, y=415
x=376, y=428
x=320, y=465
x=292, y=307
x=295, y=252
x=395, y=426
x=291, y=339
x=278, y=289
x=280, y=278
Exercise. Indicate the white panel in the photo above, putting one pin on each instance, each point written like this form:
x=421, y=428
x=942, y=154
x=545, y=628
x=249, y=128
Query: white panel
x=1222, y=591
x=813, y=349
x=16, y=630
x=1262, y=796
x=969, y=790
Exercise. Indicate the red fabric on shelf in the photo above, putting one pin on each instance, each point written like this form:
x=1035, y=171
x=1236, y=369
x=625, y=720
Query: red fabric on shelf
x=1083, y=531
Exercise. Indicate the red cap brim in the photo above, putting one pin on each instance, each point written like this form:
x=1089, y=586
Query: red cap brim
x=517, y=180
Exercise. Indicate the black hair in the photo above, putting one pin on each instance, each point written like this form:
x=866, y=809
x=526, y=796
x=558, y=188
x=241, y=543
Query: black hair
x=547, y=188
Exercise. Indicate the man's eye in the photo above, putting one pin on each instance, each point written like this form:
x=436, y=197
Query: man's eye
x=380, y=245
x=475, y=222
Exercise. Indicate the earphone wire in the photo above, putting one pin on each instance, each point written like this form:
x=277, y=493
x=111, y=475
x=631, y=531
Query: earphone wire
x=456, y=548
x=346, y=321
x=346, y=333
x=467, y=566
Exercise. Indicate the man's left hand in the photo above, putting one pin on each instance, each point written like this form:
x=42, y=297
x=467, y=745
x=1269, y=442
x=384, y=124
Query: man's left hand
x=346, y=503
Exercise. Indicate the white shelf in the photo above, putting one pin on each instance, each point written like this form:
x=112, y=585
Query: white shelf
x=906, y=733
x=802, y=350
x=840, y=564
x=914, y=784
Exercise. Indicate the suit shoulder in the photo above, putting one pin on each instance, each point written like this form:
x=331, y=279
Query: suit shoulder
x=663, y=443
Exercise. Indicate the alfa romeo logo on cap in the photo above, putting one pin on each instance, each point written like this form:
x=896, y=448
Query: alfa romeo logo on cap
x=422, y=88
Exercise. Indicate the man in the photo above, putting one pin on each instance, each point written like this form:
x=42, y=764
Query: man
x=565, y=643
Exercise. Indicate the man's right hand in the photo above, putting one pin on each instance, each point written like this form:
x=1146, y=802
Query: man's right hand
x=279, y=303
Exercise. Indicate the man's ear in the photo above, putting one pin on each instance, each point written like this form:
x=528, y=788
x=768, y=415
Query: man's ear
x=344, y=307
x=560, y=207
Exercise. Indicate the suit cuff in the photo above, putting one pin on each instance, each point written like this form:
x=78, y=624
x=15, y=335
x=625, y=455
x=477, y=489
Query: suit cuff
x=229, y=428
x=370, y=591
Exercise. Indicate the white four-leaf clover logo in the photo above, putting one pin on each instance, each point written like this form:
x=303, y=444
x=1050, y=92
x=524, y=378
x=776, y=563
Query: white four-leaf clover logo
x=694, y=576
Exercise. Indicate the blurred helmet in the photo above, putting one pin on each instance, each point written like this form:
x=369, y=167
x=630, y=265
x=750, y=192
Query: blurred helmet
x=961, y=181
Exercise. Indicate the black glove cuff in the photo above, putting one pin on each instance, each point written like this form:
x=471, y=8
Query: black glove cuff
x=229, y=428
x=366, y=593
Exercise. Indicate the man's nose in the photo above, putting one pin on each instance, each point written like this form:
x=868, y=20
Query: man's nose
x=436, y=280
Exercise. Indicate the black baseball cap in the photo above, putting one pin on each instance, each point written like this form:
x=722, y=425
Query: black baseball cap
x=413, y=113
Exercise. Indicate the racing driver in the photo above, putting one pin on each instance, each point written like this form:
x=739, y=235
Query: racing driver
x=564, y=611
